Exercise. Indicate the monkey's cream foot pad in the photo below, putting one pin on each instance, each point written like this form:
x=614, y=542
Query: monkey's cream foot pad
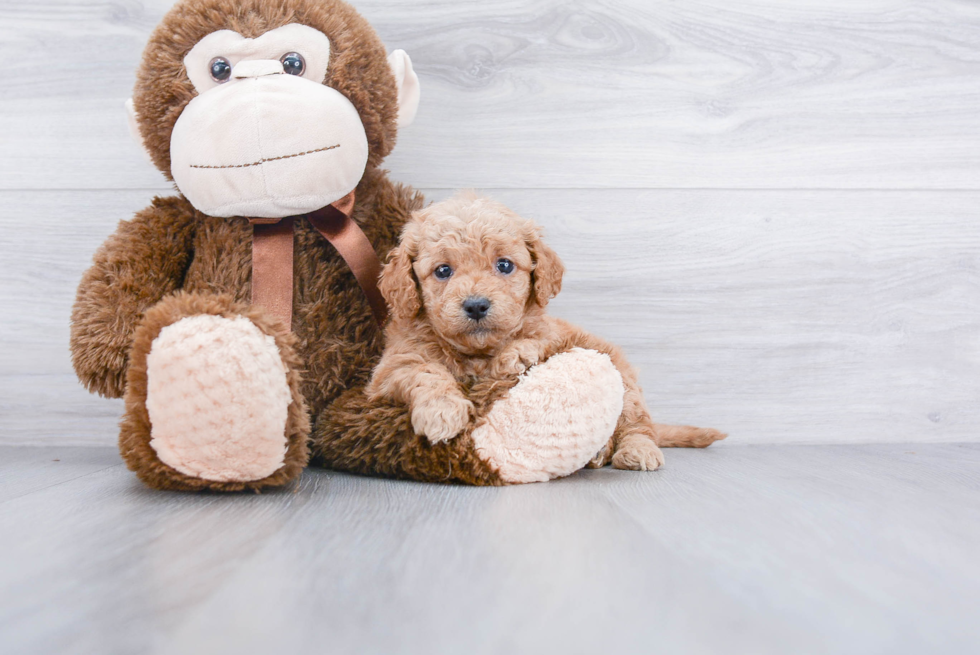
x=555, y=420
x=217, y=398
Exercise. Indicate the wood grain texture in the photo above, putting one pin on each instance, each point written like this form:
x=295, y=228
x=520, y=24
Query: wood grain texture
x=779, y=316
x=26, y=470
x=753, y=94
x=761, y=549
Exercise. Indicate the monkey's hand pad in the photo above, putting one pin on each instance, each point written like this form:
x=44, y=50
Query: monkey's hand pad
x=218, y=399
x=212, y=398
x=555, y=420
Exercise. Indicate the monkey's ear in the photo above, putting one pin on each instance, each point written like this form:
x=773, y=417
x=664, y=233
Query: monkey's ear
x=408, y=86
x=397, y=285
x=134, y=128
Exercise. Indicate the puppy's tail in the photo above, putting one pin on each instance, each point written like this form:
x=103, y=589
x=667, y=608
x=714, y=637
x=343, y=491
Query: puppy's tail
x=686, y=436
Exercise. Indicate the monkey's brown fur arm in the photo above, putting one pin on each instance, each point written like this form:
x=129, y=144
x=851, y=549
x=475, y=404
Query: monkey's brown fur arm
x=134, y=269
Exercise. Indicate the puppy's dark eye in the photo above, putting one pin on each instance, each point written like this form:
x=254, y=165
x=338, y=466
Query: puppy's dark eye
x=505, y=266
x=220, y=69
x=443, y=271
x=293, y=63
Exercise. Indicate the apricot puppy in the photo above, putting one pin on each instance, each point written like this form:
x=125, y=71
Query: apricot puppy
x=467, y=287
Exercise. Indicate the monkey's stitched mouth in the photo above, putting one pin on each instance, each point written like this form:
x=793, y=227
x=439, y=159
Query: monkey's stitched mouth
x=262, y=161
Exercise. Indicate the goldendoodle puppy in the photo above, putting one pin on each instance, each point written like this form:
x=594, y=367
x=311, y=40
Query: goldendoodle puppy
x=467, y=287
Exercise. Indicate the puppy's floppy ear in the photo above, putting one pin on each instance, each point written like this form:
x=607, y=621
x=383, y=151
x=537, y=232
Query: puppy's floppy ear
x=548, y=270
x=397, y=284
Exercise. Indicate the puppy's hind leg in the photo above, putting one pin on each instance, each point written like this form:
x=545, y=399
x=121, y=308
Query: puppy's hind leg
x=635, y=440
x=637, y=452
x=637, y=444
x=638, y=439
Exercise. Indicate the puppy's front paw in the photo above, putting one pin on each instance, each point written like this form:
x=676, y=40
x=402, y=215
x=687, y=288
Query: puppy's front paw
x=517, y=358
x=440, y=418
x=638, y=455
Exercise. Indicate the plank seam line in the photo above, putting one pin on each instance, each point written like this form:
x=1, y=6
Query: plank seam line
x=57, y=484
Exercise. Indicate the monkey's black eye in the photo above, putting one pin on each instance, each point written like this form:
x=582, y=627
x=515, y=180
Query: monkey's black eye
x=293, y=63
x=220, y=69
x=443, y=271
x=505, y=266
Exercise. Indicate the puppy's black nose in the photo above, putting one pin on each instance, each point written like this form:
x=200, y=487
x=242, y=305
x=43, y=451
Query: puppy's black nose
x=476, y=307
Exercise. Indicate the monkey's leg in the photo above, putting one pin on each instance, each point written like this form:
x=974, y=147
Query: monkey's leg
x=212, y=398
x=555, y=420
x=549, y=424
x=375, y=437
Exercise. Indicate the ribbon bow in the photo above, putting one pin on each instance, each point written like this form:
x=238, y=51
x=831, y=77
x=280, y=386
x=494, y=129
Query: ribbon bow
x=272, y=257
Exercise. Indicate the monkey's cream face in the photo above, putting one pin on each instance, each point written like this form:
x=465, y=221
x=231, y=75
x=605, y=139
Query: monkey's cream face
x=265, y=137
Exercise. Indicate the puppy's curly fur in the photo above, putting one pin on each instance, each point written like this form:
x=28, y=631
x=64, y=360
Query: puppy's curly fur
x=467, y=287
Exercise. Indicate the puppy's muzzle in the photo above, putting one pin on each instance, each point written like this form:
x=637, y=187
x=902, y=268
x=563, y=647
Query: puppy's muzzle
x=476, y=307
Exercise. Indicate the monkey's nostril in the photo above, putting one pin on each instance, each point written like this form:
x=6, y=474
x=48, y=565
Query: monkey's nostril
x=476, y=307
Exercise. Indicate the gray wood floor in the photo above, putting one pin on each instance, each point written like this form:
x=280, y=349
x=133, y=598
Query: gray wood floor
x=751, y=549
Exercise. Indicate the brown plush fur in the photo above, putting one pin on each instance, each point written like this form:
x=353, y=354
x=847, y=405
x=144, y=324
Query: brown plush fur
x=171, y=247
x=433, y=346
x=375, y=437
x=144, y=261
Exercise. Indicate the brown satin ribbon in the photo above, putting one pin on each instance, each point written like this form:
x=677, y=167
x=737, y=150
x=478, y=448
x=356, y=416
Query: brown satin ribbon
x=272, y=267
x=272, y=257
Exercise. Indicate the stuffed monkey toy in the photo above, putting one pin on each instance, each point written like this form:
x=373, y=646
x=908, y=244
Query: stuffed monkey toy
x=239, y=319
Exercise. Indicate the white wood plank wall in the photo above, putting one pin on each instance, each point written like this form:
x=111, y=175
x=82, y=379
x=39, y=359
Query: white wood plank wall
x=772, y=205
